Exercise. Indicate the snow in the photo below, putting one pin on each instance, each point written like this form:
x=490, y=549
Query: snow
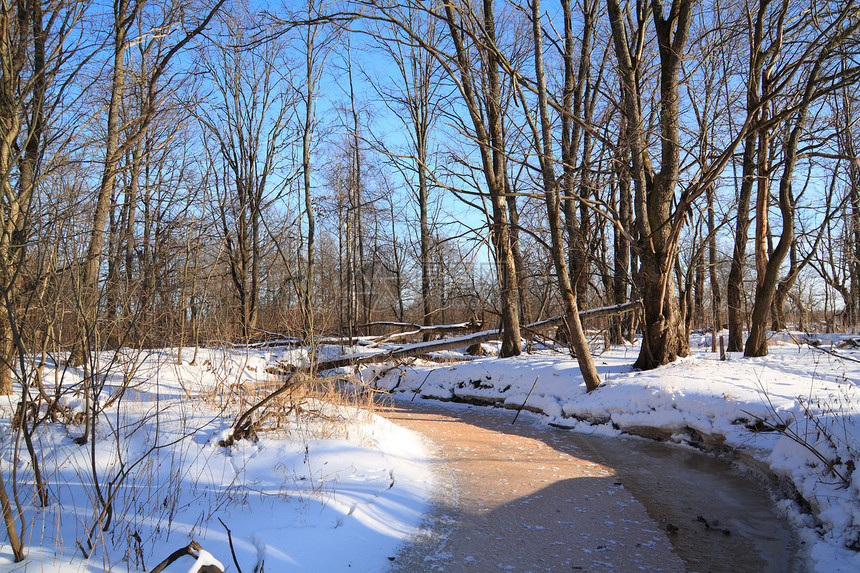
x=334, y=494
x=345, y=491
x=811, y=393
x=205, y=558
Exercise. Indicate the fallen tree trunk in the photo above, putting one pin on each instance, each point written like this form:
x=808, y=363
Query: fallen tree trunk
x=465, y=340
x=246, y=425
x=419, y=330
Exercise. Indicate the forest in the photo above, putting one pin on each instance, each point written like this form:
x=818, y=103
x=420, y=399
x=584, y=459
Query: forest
x=176, y=172
x=228, y=173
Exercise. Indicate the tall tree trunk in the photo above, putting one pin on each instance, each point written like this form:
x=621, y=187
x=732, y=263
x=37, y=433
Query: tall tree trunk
x=574, y=98
x=544, y=143
x=621, y=244
x=307, y=137
x=522, y=283
x=734, y=287
x=88, y=292
x=490, y=138
x=509, y=283
x=845, y=26
x=854, y=249
x=126, y=13
x=698, y=293
x=360, y=290
x=716, y=292
x=424, y=224
x=25, y=34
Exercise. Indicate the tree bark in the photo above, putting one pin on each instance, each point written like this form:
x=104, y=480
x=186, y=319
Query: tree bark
x=544, y=147
x=716, y=292
x=490, y=140
x=88, y=293
x=844, y=26
x=621, y=244
x=658, y=226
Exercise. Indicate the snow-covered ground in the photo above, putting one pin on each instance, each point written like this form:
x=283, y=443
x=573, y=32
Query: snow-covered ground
x=811, y=393
x=339, y=494
x=345, y=493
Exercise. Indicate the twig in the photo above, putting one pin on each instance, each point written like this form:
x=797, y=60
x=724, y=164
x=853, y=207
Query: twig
x=833, y=353
x=422, y=384
x=523, y=405
x=230, y=541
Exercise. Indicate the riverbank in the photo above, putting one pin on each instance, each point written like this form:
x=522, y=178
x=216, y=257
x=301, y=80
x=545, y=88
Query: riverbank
x=793, y=414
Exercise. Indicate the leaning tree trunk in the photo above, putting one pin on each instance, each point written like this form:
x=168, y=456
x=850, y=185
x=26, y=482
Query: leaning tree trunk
x=88, y=294
x=544, y=143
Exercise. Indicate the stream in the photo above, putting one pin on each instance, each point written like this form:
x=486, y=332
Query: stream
x=726, y=521
x=714, y=518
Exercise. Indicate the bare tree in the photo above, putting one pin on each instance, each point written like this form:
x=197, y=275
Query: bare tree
x=660, y=214
x=317, y=39
x=657, y=224
x=125, y=14
x=415, y=99
x=816, y=69
x=543, y=143
x=248, y=128
x=484, y=110
x=23, y=87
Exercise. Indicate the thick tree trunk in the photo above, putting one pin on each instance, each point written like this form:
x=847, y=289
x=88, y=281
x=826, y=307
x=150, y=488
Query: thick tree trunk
x=664, y=338
x=658, y=225
x=574, y=98
x=9, y=517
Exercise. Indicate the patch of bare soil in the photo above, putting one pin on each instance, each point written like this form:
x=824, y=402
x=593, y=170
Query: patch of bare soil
x=511, y=501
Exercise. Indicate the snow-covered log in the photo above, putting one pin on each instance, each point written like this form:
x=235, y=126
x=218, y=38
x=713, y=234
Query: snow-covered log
x=420, y=348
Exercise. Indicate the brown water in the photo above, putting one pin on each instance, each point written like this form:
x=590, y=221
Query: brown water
x=725, y=521
x=715, y=519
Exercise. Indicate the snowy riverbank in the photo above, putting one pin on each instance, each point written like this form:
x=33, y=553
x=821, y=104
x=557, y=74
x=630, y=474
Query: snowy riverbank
x=339, y=493
x=344, y=491
x=734, y=405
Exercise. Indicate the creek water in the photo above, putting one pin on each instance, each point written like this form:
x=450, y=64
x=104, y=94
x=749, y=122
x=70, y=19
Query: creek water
x=716, y=518
x=725, y=521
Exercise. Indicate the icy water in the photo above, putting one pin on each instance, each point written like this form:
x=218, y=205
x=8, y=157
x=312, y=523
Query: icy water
x=719, y=520
x=715, y=519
